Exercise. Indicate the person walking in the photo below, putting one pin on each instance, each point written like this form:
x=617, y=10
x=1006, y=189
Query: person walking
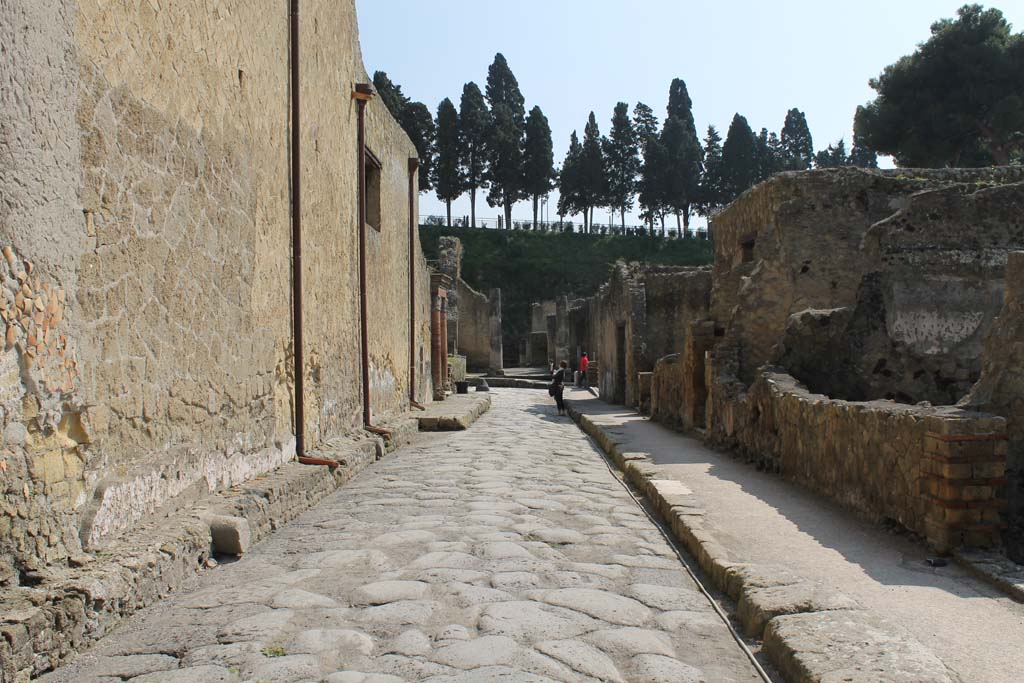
x=584, y=364
x=557, y=386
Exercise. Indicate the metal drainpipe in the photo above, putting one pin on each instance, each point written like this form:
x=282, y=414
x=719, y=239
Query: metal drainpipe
x=414, y=164
x=300, y=417
x=363, y=93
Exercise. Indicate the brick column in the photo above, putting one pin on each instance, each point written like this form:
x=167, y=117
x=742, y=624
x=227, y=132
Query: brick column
x=963, y=470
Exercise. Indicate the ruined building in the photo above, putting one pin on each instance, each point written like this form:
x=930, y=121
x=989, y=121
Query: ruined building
x=473, y=320
x=844, y=318
x=157, y=190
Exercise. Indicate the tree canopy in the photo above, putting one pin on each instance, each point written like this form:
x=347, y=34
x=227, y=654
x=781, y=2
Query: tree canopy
x=739, y=160
x=507, y=138
x=958, y=100
x=538, y=158
x=448, y=179
x=797, y=147
x=623, y=161
x=474, y=128
x=415, y=119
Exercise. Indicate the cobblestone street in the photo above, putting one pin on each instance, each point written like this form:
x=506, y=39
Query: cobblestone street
x=507, y=552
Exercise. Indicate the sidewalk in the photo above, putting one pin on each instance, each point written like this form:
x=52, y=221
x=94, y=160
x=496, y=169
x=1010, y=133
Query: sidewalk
x=778, y=549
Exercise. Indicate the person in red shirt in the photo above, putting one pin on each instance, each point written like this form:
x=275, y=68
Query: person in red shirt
x=584, y=363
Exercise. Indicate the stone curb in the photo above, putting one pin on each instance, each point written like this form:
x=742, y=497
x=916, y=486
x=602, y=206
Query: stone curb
x=810, y=632
x=512, y=383
x=994, y=569
x=42, y=627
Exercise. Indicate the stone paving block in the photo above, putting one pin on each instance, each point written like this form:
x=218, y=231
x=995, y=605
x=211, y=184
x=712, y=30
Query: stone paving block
x=470, y=556
x=849, y=646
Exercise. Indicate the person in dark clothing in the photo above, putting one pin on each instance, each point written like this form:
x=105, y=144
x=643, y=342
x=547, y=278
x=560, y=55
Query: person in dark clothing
x=557, y=386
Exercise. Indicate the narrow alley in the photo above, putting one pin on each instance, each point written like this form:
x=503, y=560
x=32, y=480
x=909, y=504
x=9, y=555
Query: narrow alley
x=506, y=552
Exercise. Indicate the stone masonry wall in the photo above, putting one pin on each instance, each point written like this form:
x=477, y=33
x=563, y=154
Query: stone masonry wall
x=147, y=268
x=474, y=328
x=796, y=242
x=932, y=470
x=1001, y=391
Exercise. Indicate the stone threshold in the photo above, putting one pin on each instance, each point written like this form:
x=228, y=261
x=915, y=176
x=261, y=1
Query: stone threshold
x=809, y=632
x=456, y=413
x=44, y=626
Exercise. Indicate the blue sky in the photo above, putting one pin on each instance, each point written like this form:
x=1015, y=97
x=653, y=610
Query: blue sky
x=755, y=57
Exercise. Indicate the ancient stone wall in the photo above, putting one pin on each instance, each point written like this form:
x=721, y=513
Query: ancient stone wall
x=929, y=469
x=1001, y=391
x=674, y=297
x=797, y=242
x=474, y=327
x=148, y=277
x=473, y=318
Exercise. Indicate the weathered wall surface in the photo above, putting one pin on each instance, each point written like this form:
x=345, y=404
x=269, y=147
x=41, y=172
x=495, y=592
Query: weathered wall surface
x=474, y=327
x=797, y=242
x=473, y=318
x=1001, y=391
x=674, y=298
x=916, y=330
x=146, y=208
x=929, y=469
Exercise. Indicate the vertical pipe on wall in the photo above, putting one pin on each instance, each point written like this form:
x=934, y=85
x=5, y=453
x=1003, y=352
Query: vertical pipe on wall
x=300, y=418
x=362, y=94
x=413, y=166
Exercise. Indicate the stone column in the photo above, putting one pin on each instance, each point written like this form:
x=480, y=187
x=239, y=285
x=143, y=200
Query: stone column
x=497, y=362
x=438, y=357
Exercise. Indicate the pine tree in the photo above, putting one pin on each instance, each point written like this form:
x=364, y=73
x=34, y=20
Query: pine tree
x=739, y=163
x=507, y=138
x=538, y=159
x=711, y=192
x=569, y=202
x=797, y=145
x=623, y=161
x=593, y=179
x=448, y=180
x=475, y=128
x=861, y=155
x=416, y=121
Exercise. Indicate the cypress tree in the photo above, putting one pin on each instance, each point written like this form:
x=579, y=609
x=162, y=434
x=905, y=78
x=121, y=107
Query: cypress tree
x=569, y=202
x=797, y=145
x=652, y=181
x=475, y=128
x=448, y=181
x=682, y=177
x=834, y=156
x=645, y=123
x=680, y=105
x=507, y=138
x=623, y=161
x=711, y=192
x=415, y=119
x=861, y=155
x=539, y=159
x=739, y=163
x=593, y=179
x=390, y=94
